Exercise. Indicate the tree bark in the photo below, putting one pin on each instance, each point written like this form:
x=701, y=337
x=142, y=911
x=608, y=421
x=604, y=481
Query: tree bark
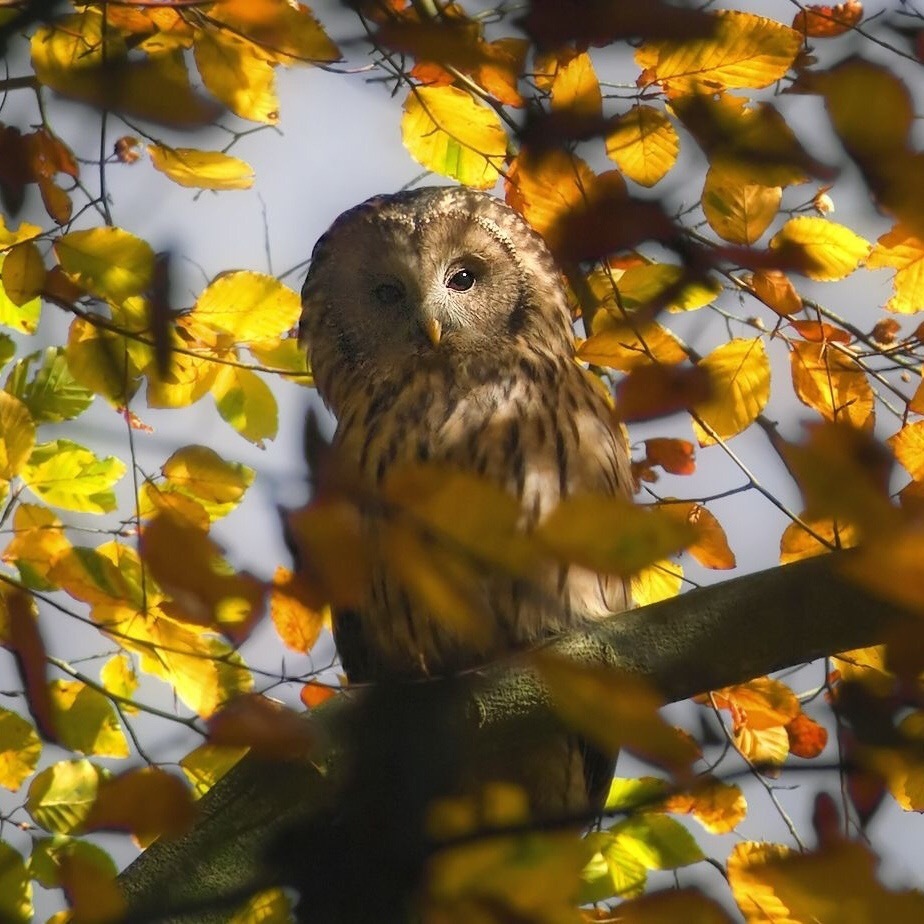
x=706, y=639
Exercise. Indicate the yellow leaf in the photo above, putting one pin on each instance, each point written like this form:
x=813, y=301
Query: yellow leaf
x=826, y=250
x=718, y=806
x=23, y=273
x=246, y=402
x=38, y=542
x=641, y=286
x=286, y=31
x=23, y=318
x=248, y=306
x=17, y=435
x=205, y=765
x=119, y=678
x=902, y=249
x=901, y=766
x=710, y=547
x=761, y=703
x=737, y=211
x=25, y=232
x=763, y=745
x=101, y=361
x=61, y=795
x=575, y=88
x=744, y=51
x=238, y=74
x=657, y=582
x=296, y=619
x=757, y=901
x=15, y=887
x=85, y=720
x=108, y=262
x=611, y=535
x=630, y=344
x=797, y=543
x=191, y=371
x=739, y=373
x=908, y=446
x=449, y=132
x=613, y=709
x=285, y=357
x=202, y=475
x=271, y=906
x=644, y=144
x=866, y=666
x=831, y=382
x=201, y=169
x=20, y=748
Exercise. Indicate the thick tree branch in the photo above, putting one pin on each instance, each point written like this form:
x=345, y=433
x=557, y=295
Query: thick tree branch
x=704, y=640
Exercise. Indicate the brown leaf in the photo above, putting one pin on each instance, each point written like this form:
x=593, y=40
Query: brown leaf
x=673, y=455
x=268, y=728
x=710, y=547
x=806, y=737
x=820, y=332
x=822, y=21
x=654, y=391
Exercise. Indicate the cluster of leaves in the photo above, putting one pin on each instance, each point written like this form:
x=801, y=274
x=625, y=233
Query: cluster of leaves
x=482, y=104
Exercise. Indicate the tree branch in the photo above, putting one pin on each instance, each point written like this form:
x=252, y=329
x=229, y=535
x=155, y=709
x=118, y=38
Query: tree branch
x=703, y=640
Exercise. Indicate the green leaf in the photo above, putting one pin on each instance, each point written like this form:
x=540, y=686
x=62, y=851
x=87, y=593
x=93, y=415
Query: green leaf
x=67, y=475
x=611, y=872
x=201, y=169
x=628, y=795
x=20, y=748
x=15, y=887
x=245, y=401
x=48, y=852
x=61, y=795
x=107, y=262
x=7, y=349
x=248, y=306
x=85, y=720
x=52, y=394
x=23, y=318
x=656, y=841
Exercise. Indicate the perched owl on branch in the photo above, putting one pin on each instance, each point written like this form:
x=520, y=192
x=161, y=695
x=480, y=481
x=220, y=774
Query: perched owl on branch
x=439, y=331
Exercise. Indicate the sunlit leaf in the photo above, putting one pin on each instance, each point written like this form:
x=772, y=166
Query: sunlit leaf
x=15, y=887
x=70, y=476
x=831, y=382
x=739, y=372
x=644, y=144
x=797, y=543
x=755, y=898
x=146, y=802
x=86, y=720
x=20, y=749
x=284, y=355
x=49, y=391
x=238, y=74
x=904, y=251
x=23, y=273
x=119, y=678
x=246, y=402
x=612, y=872
x=575, y=88
x=60, y=796
x=296, y=620
x=656, y=841
x=823, y=249
x=649, y=284
x=710, y=547
x=775, y=290
x=744, y=51
x=451, y=133
x=25, y=232
x=657, y=582
x=24, y=317
x=614, y=710
x=822, y=21
x=739, y=212
x=631, y=344
x=101, y=361
x=248, y=306
x=201, y=169
x=17, y=435
x=760, y=703
x=204, y=476
x=807, y=739
x=108, y=262
x=718, y=806
x=205, y=765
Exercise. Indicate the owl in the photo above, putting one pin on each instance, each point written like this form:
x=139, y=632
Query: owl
x=439, y=331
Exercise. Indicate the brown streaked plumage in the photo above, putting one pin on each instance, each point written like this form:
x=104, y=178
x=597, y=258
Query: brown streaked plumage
x=439, y=330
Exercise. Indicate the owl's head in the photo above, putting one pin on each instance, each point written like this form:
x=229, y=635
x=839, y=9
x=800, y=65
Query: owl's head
x=438, y=274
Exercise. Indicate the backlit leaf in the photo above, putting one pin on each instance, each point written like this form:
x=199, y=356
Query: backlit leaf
x=119, y=678
x=644, y=144
x=824, y=250
x=710, y=547
x=631, y=344
x=205, y=765
x=744, y=51
x=246, y=402
x=201, y=169
x=822, y=21
x=797, y=543
x=86, y=720
x=760, y=703
x=146, y=802
x=649, y=284
x=270, y=906
x=20, y=749
x=15, y=887
x=49, y=391
x=248, y=306
x=656, y=841
x=25, y=232
x=17, y=435
x=610, y=534
x=763, y=746
x=614, y=710
x=775, y=290
x=831, y=382
x=70, y=476
x=657, y=582
x=902, y=250
x=908, y=446
x=451, y=133
x=102, y=361
x=718, y=806
x=238, y=74
x=737, y=211
x=575, y=87
x=19, y=317
x=60, y=796
x=23, y=273
x=204, y=476
x=807, y=739
x=108, y=262
x=755, y=898
x=739, y=372
x=298, y=622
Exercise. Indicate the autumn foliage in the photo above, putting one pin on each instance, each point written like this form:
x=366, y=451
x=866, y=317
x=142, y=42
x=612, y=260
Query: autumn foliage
x=670, y=157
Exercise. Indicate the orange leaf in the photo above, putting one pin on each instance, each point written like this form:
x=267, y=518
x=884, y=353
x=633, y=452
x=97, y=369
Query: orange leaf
x=673, y=455
x=806, y=737
x=268, y=728
x=710, y=548
x=313, y=694
x=821, y=21
x=820, y=332
x=296, y=619
x=147, y=802
x=760, y=704
x=775, y=290
x=833, y=383
x=656, y=391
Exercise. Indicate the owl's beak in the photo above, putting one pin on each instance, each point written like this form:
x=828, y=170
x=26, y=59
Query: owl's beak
x=433, y=329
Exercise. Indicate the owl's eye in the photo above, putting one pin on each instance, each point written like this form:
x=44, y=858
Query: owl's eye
x=388, y=293
x=461, y=280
